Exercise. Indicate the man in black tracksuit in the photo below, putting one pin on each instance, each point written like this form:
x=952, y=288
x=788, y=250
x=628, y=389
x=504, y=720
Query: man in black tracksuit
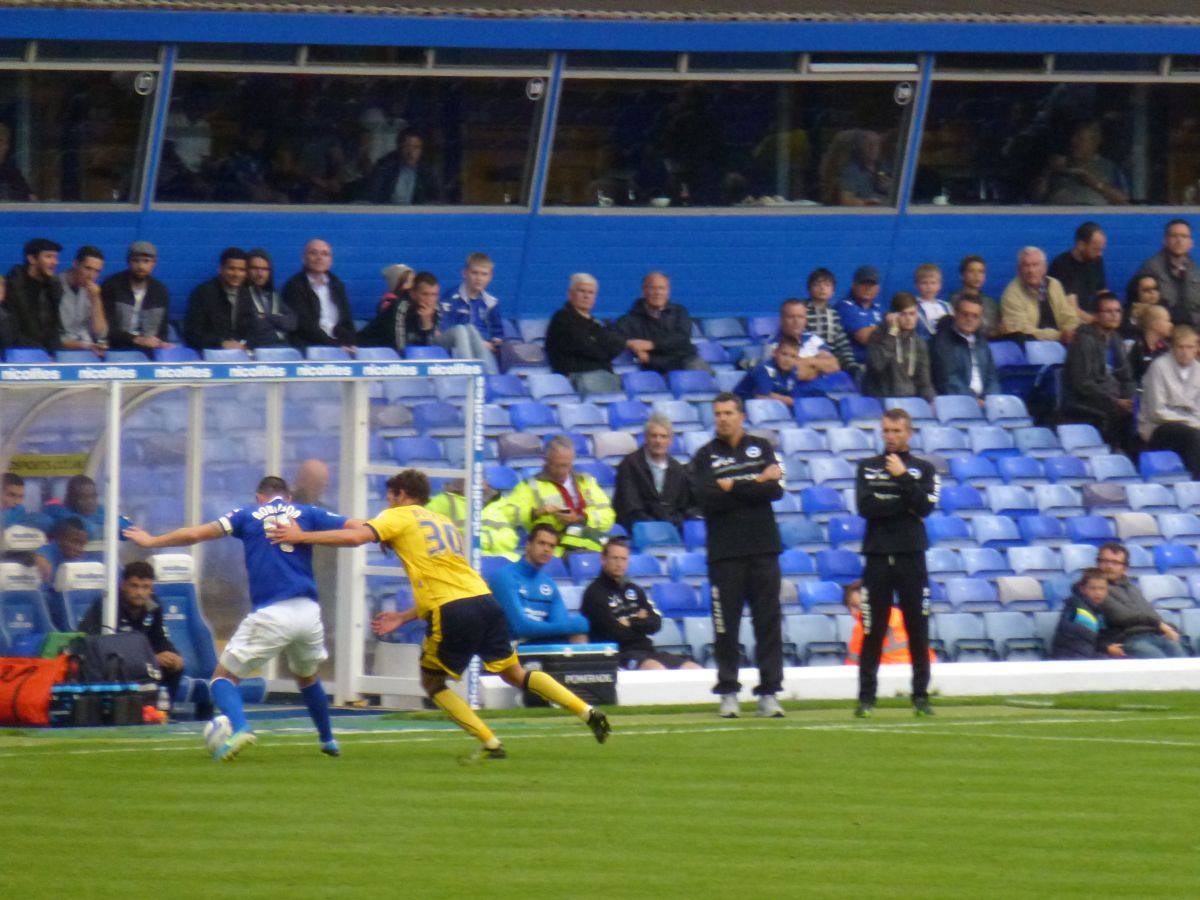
x=734, y=478
x=895, y=492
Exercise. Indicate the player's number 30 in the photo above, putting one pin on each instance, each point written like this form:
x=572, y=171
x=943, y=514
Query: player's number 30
x=439, y=536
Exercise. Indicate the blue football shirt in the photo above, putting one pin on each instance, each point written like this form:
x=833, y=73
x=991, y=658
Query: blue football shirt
x=278, y=572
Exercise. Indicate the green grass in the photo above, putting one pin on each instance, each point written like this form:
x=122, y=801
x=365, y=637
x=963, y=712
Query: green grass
x=1078, y=796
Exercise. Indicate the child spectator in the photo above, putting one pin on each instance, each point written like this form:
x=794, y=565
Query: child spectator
x=1078, y=631
x=930, y=307
x=774, y=380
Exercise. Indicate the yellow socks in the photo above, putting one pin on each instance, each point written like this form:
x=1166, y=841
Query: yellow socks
x=464, y=717
x=549, y=689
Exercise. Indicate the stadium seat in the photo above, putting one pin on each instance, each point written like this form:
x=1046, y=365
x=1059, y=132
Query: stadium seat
x=787, y=507
x=29, y=356
x=947, y=442
x=1010, y=500
x=579, y=441
x=645, y=569
x=1166, y=591
x=728, y=331
x=984, y=562
x=962, y=500
x=1042, y=531
x=613, y=446
x=960, y=637
x=1104, y=496
x=628, y=415
x=532, y=417
x=1037, y=442
x=714, y=354
x=1162, y=466
x=167, y=355
x=1023, y=470
x=76, y=357
x=846, y=532
x=370, y=354
x=689, y=567
x=1057, y=590
x=767, y=413
x=957, y=409
x=728, y=378
x=805, y=533
x=587, y=418
x=1141, y=559
x=797, y=564
x=807, y=441
x=762, y=328
x=1006, y=411
x=991, y=441
x=437, y=419
x=1020, y=592
x=423, y=452
x=816, y=640
x=584, y=567
x=24, y=618
x=695, y=534
x=1013, y=635
x=1059, y=500
x=495, y=420
x=859, y=411
x=432, y=352
x=1187, y=495
x=1137, y=528
x=1180, y=526
x=1081, y=440
x=550, y=386
x=532, y=330
x=1151, y=498
x=941, y=562
x=77, y=585
x=1176, y=559
x=917, y=408
x=692, y=384
x=676, y=599
x=1037, y=562
x=326, y=354
x=1077, y=557
x=1114, y=467
x=949, y=531
x=518, y=449
x=820, y=597
x=851, y=443
x=502, y=478
x=975, y=471
x=505, y=389
x=645, y=385
x=124, y=357
x=683, y=415
x=1068, y=470
x=842, y=566
x=832, y=472
x=656, y=537
x=517, y=355
x=1045, y=353
x=816, y=412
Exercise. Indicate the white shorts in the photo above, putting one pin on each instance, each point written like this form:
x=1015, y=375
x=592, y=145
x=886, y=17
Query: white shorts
x=292, y=627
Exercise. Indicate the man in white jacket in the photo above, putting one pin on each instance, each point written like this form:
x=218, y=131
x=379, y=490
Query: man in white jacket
x=1170, y=410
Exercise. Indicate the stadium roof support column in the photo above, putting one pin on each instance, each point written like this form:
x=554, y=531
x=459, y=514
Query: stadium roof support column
x=112, y=504
x=351, y=597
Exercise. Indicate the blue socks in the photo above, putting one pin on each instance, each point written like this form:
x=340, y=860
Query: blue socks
x=317, y=702
x=227, y=696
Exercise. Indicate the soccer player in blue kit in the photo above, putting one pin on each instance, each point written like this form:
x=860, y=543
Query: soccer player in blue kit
x=286, y=617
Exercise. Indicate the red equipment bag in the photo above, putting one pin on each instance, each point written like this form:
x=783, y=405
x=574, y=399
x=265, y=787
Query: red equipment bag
x=25, y=688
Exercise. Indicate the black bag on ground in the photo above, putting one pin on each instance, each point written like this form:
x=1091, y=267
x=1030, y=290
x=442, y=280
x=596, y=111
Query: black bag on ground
x=125, y=656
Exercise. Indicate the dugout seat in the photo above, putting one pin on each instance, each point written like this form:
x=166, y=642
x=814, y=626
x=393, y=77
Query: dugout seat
x=24, y=619
x=77, y=585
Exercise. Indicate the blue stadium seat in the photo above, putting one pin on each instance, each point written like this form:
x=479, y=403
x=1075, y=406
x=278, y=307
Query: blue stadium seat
x=505, y=389
x=949, y=531
x=1010, y=500
x=714, y=354
x=806, y=533
x=960, y=637
x=1166, y=591
x=975, y=471
x=1023, y=470
x=816, y=412
x=1013, y=635
x=1187, y=495
x=585, y=417
x=1006, y=354
x=996, y=532
x=728, y=331
x=1104, y=497
x=957, y=409
x=807, y=441
x=584, y=567
x=695, y=534
x=433, y=351
x=1176, y=559
x=24, y=617
x=676, y=599
x=1037, y=442
x=1037, y=562
x=1058, y=500
x=1077, y=557
x=690, y=567
x=1081, y=440
x=417, y=451
x=518, y=449
x=692, y=384
x=762, y=328
x=917, y=408
x=325, y=354
x=645, y=385
x=1151, y=498
x=1162, y=466
x=656, y=536
x=985, y=562
x=832, y=472
x=816, y=640
x=171, y=355
x=962, y=500
x=1114, y=467
x=532, y=330
x=372, y=354
x=767, y=412
x=1045, y=353
x=991, y=441
x=1180, y=526
x=851, y=443
x=545, y=386
x=820, y=597
x=29, y=356
x=532, y=417
x=947, y=442
x=842, y=566
x=502, y=478
x=613, y=446
x=1006, y=411
x=1042, y=531
x=1137, y=528
x=123, y=357
x=77, y=585
x=522, y=355
x=846, y=532
x=627, y=415
x=787, y=507
x=683, y=415
x=604, y=474
x=971, y=594
x=77, y=357
x=583, y=449
x=645, y=568
x=941, y=562
x=1141, y=557
x=860, y=411
x=1094, y=530
x=797, y=564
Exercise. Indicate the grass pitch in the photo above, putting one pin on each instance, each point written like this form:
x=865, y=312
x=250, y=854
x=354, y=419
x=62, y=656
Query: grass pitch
x=1079, y=796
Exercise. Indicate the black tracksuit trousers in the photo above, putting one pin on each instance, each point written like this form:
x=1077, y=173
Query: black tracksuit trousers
x=902, y=576
x=753, y=580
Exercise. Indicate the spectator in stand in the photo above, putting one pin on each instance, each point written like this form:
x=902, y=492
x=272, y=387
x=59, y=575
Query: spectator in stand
x=852, y=173
x=6, y=328
x=1152, y=341
x=81, y=320
x=1178, y=278
x=897, y=358
x=400, y=178
x=1077, y=635
x=774, y=380
x=895, y=642
x=1098, y=384
x=581, y=346
x=530, y=598
x=569, y=501
x=651, y=484
x=416, y=322
x=12, y=500
x=135, y=303
x=823, y=320
x=931, y=308
x=68, y=543
x=859, y=312
x=972, y=272
x=960, y=356
x=665, y=326
x=34, y=295
x=1080, y=270
x=138, y=610
x=82, y=504
x=473, y=306
x=13, y=186
x=619, y=611
x=399, y=279
x=1169, y=414
x=216, y=309
x=1034, y=305
x=497, y=537
x=318, y=297
x=1132, y=628
x=1144, y=293
x=266, y=320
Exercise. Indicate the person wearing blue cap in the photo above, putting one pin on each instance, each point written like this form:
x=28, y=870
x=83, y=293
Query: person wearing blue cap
x=859, y=312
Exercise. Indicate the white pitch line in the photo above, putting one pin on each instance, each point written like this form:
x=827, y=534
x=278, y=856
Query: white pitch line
x=1144, y=742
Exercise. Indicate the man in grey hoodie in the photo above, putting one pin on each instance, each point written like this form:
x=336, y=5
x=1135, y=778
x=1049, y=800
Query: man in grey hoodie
x=1132, y=628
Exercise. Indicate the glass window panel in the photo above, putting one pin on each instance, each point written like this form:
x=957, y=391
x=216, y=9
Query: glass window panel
x=1185, y=63
x=862, y=62
x=73, y=136
x=742, y=62
x=474, y=57
x=1078, y=144
x=106, y=51
x=12, y=49
x=990, y=62
x=332, y=139
x=622, y=142
x=621, y=59
x=273, y=54
x=366, y=56
x=1113, y=62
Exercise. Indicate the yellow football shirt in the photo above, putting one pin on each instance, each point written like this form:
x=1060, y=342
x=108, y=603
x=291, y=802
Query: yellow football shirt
x=431, y=549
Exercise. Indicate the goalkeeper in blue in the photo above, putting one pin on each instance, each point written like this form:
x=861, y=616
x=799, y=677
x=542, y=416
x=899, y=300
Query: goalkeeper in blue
x=286, y=618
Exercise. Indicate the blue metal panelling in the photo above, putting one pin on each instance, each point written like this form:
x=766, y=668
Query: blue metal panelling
x=719, y=264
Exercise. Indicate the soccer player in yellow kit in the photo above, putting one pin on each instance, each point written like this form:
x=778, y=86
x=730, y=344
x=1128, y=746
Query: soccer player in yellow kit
x=462, y=618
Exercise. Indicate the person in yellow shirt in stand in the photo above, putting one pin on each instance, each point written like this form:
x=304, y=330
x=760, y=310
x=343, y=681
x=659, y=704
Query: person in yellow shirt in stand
x=462, y=618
